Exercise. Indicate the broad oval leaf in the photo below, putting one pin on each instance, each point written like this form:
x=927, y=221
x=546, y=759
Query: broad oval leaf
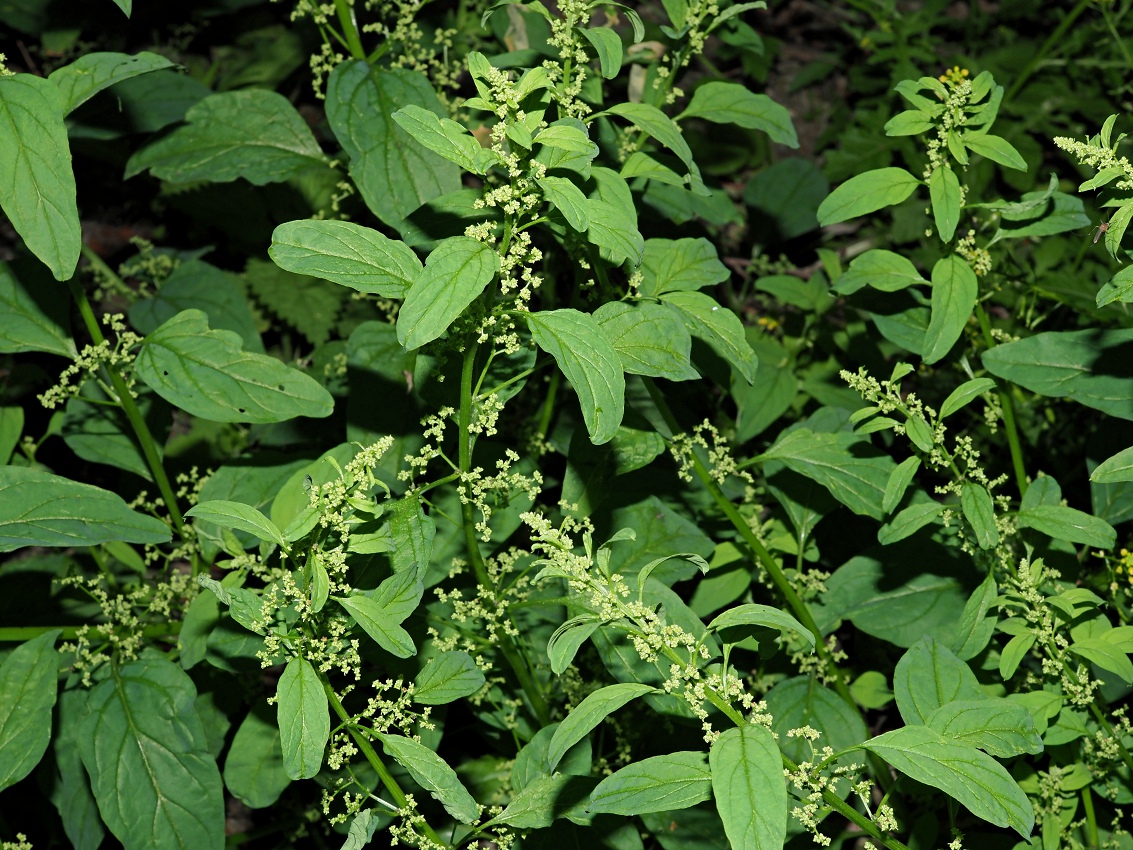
x=82, y=79
x=649, y=338
x=928, y=676
x=37, y=184
x=304, y=719
x=372, y=616
x=206, y=373
x=346, y=253
x=608, y=45
x=653, y=122
x=995, y=148
x=445, y=137
x=973, y=778
x=954, y=292
x=881, y=269
x=595, y=708
x=750, y=790
x=1069, y=524
x=753, y=614
x=447, y=677
x=718, y=326
x=803, y=701
x=589, y=362
x=35, y=318
x=547, y=798
x=41, y=509
x=672, y=264
x=394, y=174
x=255, y=134
x=866, y=193
x=433, y=774
x=1117, y=288
x=568, y=199
x=658, y=784
x=732, y=103
x=455, y=273
x=253, y=768
x=28, y=686
x=146, y=752
x=1113, y=469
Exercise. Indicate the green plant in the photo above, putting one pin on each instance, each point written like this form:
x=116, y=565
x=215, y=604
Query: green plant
x=453, y=504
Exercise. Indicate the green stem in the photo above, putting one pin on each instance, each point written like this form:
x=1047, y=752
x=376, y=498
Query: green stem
x=1008, y=410
x=1055, y=38
x=1091, y=818
x=22, y=633
x=350, y=28
x=548, y=405
x=371, y=755
x=125, y=399
x=464, y=437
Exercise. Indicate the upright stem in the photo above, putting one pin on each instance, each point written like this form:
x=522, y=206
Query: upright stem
x=464, y=459
x=126, y=400
x=1008, y=410
x=350, y=28
x=367, y=750
x=1055, y=38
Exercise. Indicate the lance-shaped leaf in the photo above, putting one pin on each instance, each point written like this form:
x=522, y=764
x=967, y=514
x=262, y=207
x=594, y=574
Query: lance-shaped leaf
x=447, y=677
x=652, y=121
x=433, y=774
x=718, y=326
x=41, y=509
x=658, y=784
x=34, y=317
x=379, y=624
x=346, y=253
x=28, y=684
x=206, y=373
x=82, y=79
x=650, y=339
x=866, y=193
x=304, y=719
x=732, y=103
x=143, y=745
x=750, y=790
x=445, y=137
x=595, y=708
x=944, y=193
x=589, y=362
x=456, y=272
x=996, y=726
x=1069, y=524
x=975, y=501
x=954, y=292
x=254, y=133
x=37, y=185
x=753, y=614
x=568, y=199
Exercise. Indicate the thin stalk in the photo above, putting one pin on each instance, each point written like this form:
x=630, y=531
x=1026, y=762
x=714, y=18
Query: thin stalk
x=1091, y=818
x=367, y=750
x=350, y=28
x=518, y=664
x=21, y=633
x=125, y=399
x=1008, y=410
x=1055, y=38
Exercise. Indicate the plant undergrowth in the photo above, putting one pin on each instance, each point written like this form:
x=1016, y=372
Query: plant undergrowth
x=482, y=425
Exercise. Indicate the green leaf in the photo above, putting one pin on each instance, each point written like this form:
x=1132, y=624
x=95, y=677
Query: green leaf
x=753, y=614
x=41, y=509
x=380, y=625
x=866, y=193
x=253, y=768
x=911, y=122
x=974, y=779
x=304, y=719
x=649, y=339
x=456, y=272
x=412, y=533
x=898, y=482
x=568, y=137
x=545, y=799
x=37, y=185
x=750, y=791
x=944, y=193
x=653, y=122
x=585, y=716
x=975, y=627
x=1014, y=653
x=613, y=218
x=567, y=639
x=362, y=829
x=82, y=79
x=964, y=394
x=71, y=795
x=205, y=373
x=1070, y=525
x=346, y=253
x=803, y=701
x=996, y=726
x=446, y=678
x=853, y=471
x=608, y=45
x=568, y=199
x=732, y=103
x=680, y=264
x=883, y=270
x=954, y=292
x=1114, y=469
x=1106, y=655
x=928, y=676
x=238, y=516
x=995, y=148
x=589, y=362
x=975, y=501
x=1088, y=367
x=909, y=521
x=445, y=137
x=718, y=326
x=1117, y=288
x=432, y=773
x=1118, y=223
x=253, y=133
x=28, y=685
x=393, y=173
x=11, y=429
x=146, y=752
x=308, y=304
x=658, y=784
x=125, y=5
x=32, y=318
